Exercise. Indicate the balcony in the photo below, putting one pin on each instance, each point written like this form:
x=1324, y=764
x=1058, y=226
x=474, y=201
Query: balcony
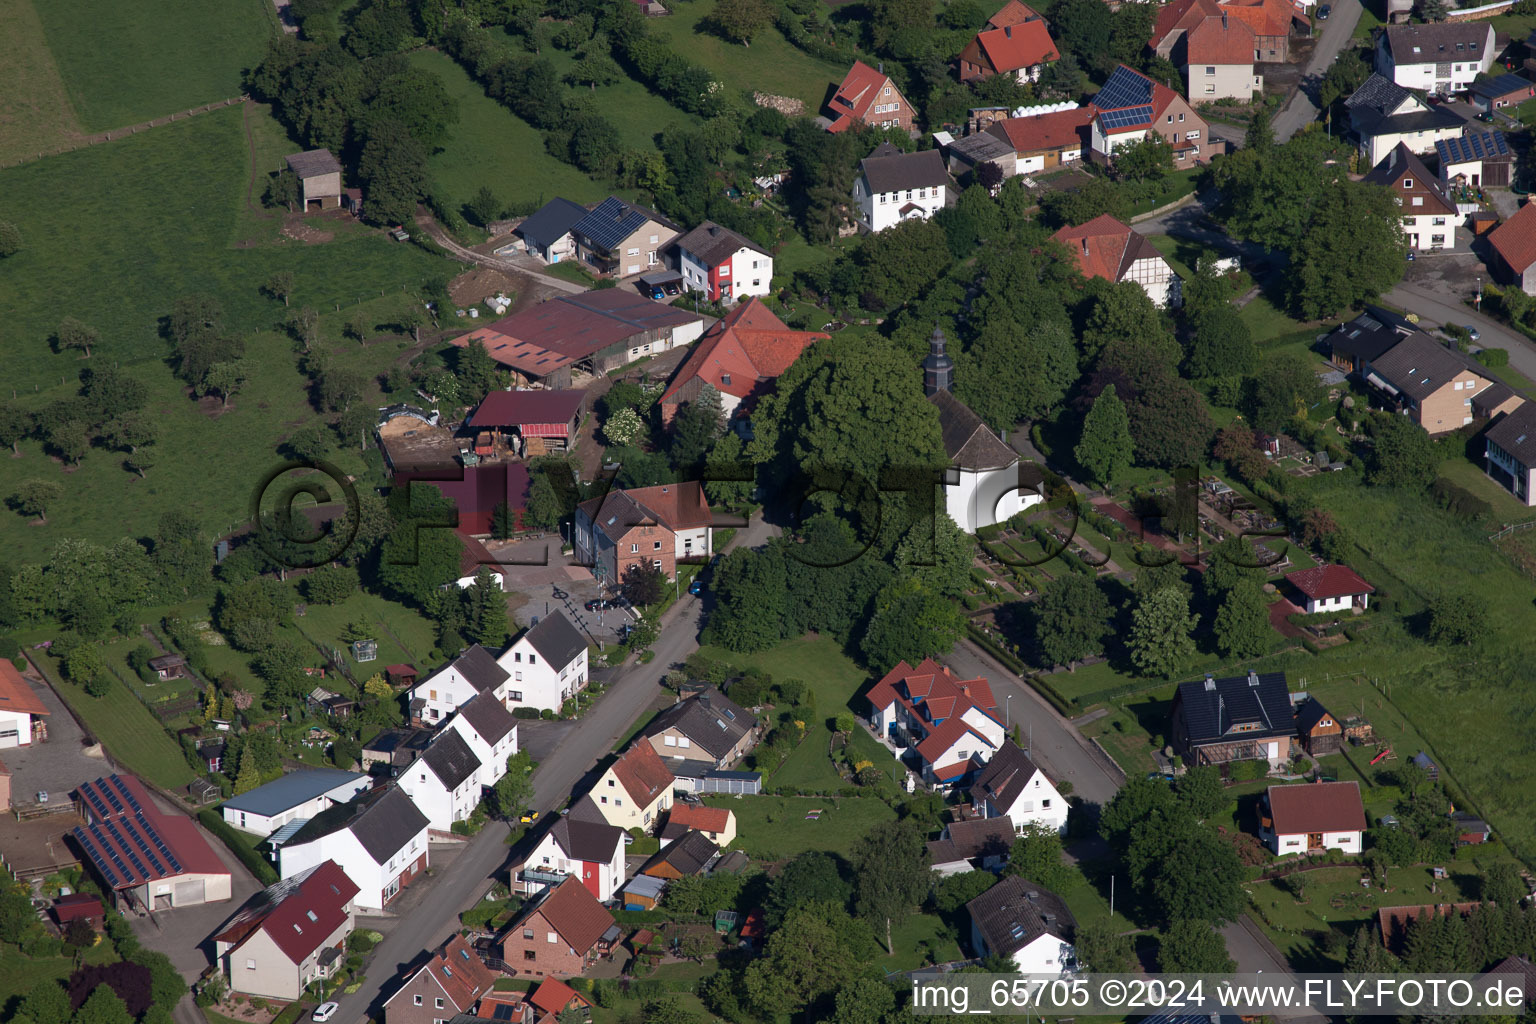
x=544, y=876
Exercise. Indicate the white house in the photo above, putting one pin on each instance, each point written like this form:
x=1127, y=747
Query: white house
x=1442, y=57
x=490, y=730
x=943, y=726
x=1429, y=214
x=379, y=840
x=1012, y=786
x=893, y=186
x=1026, y=923
x=1384, y=114
x=986, y=482
x=1313, y=818
x=547, y=232
x=1110, y=249
x=1331, y=588
x=301, y=794
x=289, y=934
x=444, y=782
x=724, y=265
x=21, y=709
x=636, y=790
x=579, y=845
x=546, y=666
x=470, y=674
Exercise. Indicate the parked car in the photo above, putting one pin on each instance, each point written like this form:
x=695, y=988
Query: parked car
x=325, y=1011
x=1324, y=11
x=658, y=293
x=696, y=587
x=1485, y=116
x=600, y=604
x=529, y=818
x=1473, y=334
x=1410, y=255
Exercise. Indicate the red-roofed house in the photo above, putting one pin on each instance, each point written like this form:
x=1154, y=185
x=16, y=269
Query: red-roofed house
x=452, y=982
x=1272, y=22
x=289, y=934
x=870, y=97
x=1109, y=249
x=552, y=416
x=653, y=526
x=944, y=726
x=724, y=265
x=21, y=709
x=1043, y=141
x=1514, y=249
x=718, y=823
x=1130, y=105
x=1174, y=20
x=79, y=906
x=1015, y=42
x=1331, y=588
x=554, y=996
x=1217, y=59
x=1313, y=818
x=740, y=356
x=635, y=790
x=559, y=935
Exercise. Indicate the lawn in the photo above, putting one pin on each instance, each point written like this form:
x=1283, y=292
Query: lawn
x=36, y=115
x=918, y=940
x=634, y=109
x=491, y=147
x=1506, y=507
x=834, y=679
x=151, y=243
x=770, y=64
x=396, y=625
x=773, y=828
x=116, y=58
x=20, y=974
x=132, y=735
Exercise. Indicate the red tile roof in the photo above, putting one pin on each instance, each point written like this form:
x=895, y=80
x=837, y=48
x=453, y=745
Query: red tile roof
x=945, y=735
x=1053, y=132
x=135, y=820
x=1394, y=920
x=702, y=819
x=1013, y=47
x=1265, y=17
x=679, y=506
x=850, y=104
x=554, y=995
x=1329, y=581
x=1181, y=15
x=541, y=339
x=1012, y=13
x=77, y=904
x=15, y=694
x=575, y=913
x=1220, y=40
x=643, y=774
x=1316, y=807
x=931, y=693
x=740, y=354
x=298, y=913
x=464, y=978
x=1515, y=239
x=1098, y=246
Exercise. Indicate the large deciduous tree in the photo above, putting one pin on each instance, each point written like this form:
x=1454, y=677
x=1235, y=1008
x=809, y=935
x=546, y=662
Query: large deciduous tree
x=1160, y=643
x=1104, y=449
x=892, y=875
x=1072, y=619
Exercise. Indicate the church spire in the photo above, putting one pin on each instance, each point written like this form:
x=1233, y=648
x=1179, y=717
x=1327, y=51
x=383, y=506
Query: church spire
x=938, y=368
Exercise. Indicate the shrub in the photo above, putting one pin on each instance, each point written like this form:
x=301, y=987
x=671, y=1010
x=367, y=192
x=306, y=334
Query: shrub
x=1494, y=357
x=525, y=713
x=1459, y=501
x=548, y=714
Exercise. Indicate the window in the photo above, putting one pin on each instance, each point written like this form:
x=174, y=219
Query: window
x=1407, y=183
x=1045, y=804
x=618, y=802
x=656, y=564
x=633, y=548
x=1181, y=118
x=1210, y=69
x=533, y=659
x=670, y=741
x=603, y=799
x=417, y=1000
x=529, y=954
x=1418, y=200
x=1438, y=222
x=1192, y=136
x=518, y=657
x=517, y=676
x=683, y=742
x=438, y=1003
x=656, y=545
x=1175, y=136
x=516, y=694
x=250, y=965
x=1170, y=119
x=632, y=252
x=1210, y=89
x=553, y=938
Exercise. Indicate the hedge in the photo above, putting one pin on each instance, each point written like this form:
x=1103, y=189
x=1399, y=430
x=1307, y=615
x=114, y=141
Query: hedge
x=258, y=865
x=1493, y=357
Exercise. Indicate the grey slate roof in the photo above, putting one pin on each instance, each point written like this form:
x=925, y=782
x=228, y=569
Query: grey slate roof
x=478, y=665
x=1309, y=714
x=591, y=841
x=551, y=222
x=313, y=162
x=1437, y=42
x=1365, y=337
x=709, y=720
x=1515, y=433
x=1212, y=706
x=489, y=718
x=557, y=639
x=1005, y=776
x=291, y=790
x=586, y=809
x=1015, y=912
x=1418, y=366
x=982, y=146
x=383, y=820
x=450, y=759
x=888, y=169
x=969, y=443
x=714, y=244
x=687, y=856
x=978, y=837
x=1378, y=93
x=1370, y=108
x=1503, y=85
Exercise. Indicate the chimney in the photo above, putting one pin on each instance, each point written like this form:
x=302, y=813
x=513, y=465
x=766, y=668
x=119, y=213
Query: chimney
x=1008, y=31
x=1210, y=683
x=1253, y=678
x=1085, y=246
x=881, y=67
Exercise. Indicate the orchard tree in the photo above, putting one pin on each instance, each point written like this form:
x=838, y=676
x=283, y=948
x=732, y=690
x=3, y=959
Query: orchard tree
x=485, y=207
x=10, y=239
x=892, y=875
x=15, y=424
x=740, y=20
x=1036, y=855
x=72, y=333
x=280, y=285
x=1102, y=949
x=595, y=69
x=1242, y=623
x=1193, y=947
x=226, y=380
x=1458, y=619
x=1403, y=454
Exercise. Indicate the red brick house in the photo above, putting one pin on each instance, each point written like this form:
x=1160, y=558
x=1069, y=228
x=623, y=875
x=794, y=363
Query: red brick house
x=868, y=97
x=558, y=936
x=452, y=982
x=1015, y=42
x=654, y=526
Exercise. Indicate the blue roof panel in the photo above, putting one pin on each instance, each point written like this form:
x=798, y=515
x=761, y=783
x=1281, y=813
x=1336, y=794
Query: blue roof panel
x=292, y=790
x=1125, y=88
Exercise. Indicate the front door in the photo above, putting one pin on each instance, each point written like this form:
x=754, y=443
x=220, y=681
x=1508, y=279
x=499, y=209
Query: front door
x=1314, y=841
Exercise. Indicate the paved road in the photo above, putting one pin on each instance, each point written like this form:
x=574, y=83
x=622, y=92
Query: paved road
x=516, y=264
x=1254, y=953
x=1336, y=34
x=1435, y=310
x=1058, y=747
x=465, y=880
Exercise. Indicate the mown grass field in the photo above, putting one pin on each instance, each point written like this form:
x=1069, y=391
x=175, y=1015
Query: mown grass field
x=492, y=147
x=770, y=64
x=118, y=258
x=37, y=114
x=638, y=113
x=776, y=828
x=126, y=63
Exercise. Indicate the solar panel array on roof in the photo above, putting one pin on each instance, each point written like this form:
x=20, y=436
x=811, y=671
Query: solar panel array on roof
x=1477, y=146
x=611, y=223
x=1126, y=117
x=1125, y=88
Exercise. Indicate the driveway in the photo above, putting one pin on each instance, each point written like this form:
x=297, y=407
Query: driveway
x=1335, y=36
x=61, y=763
x=1254, y=954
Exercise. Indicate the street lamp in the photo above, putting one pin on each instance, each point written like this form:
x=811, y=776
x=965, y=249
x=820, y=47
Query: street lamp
x=1479, y=295
x=1008, y=712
